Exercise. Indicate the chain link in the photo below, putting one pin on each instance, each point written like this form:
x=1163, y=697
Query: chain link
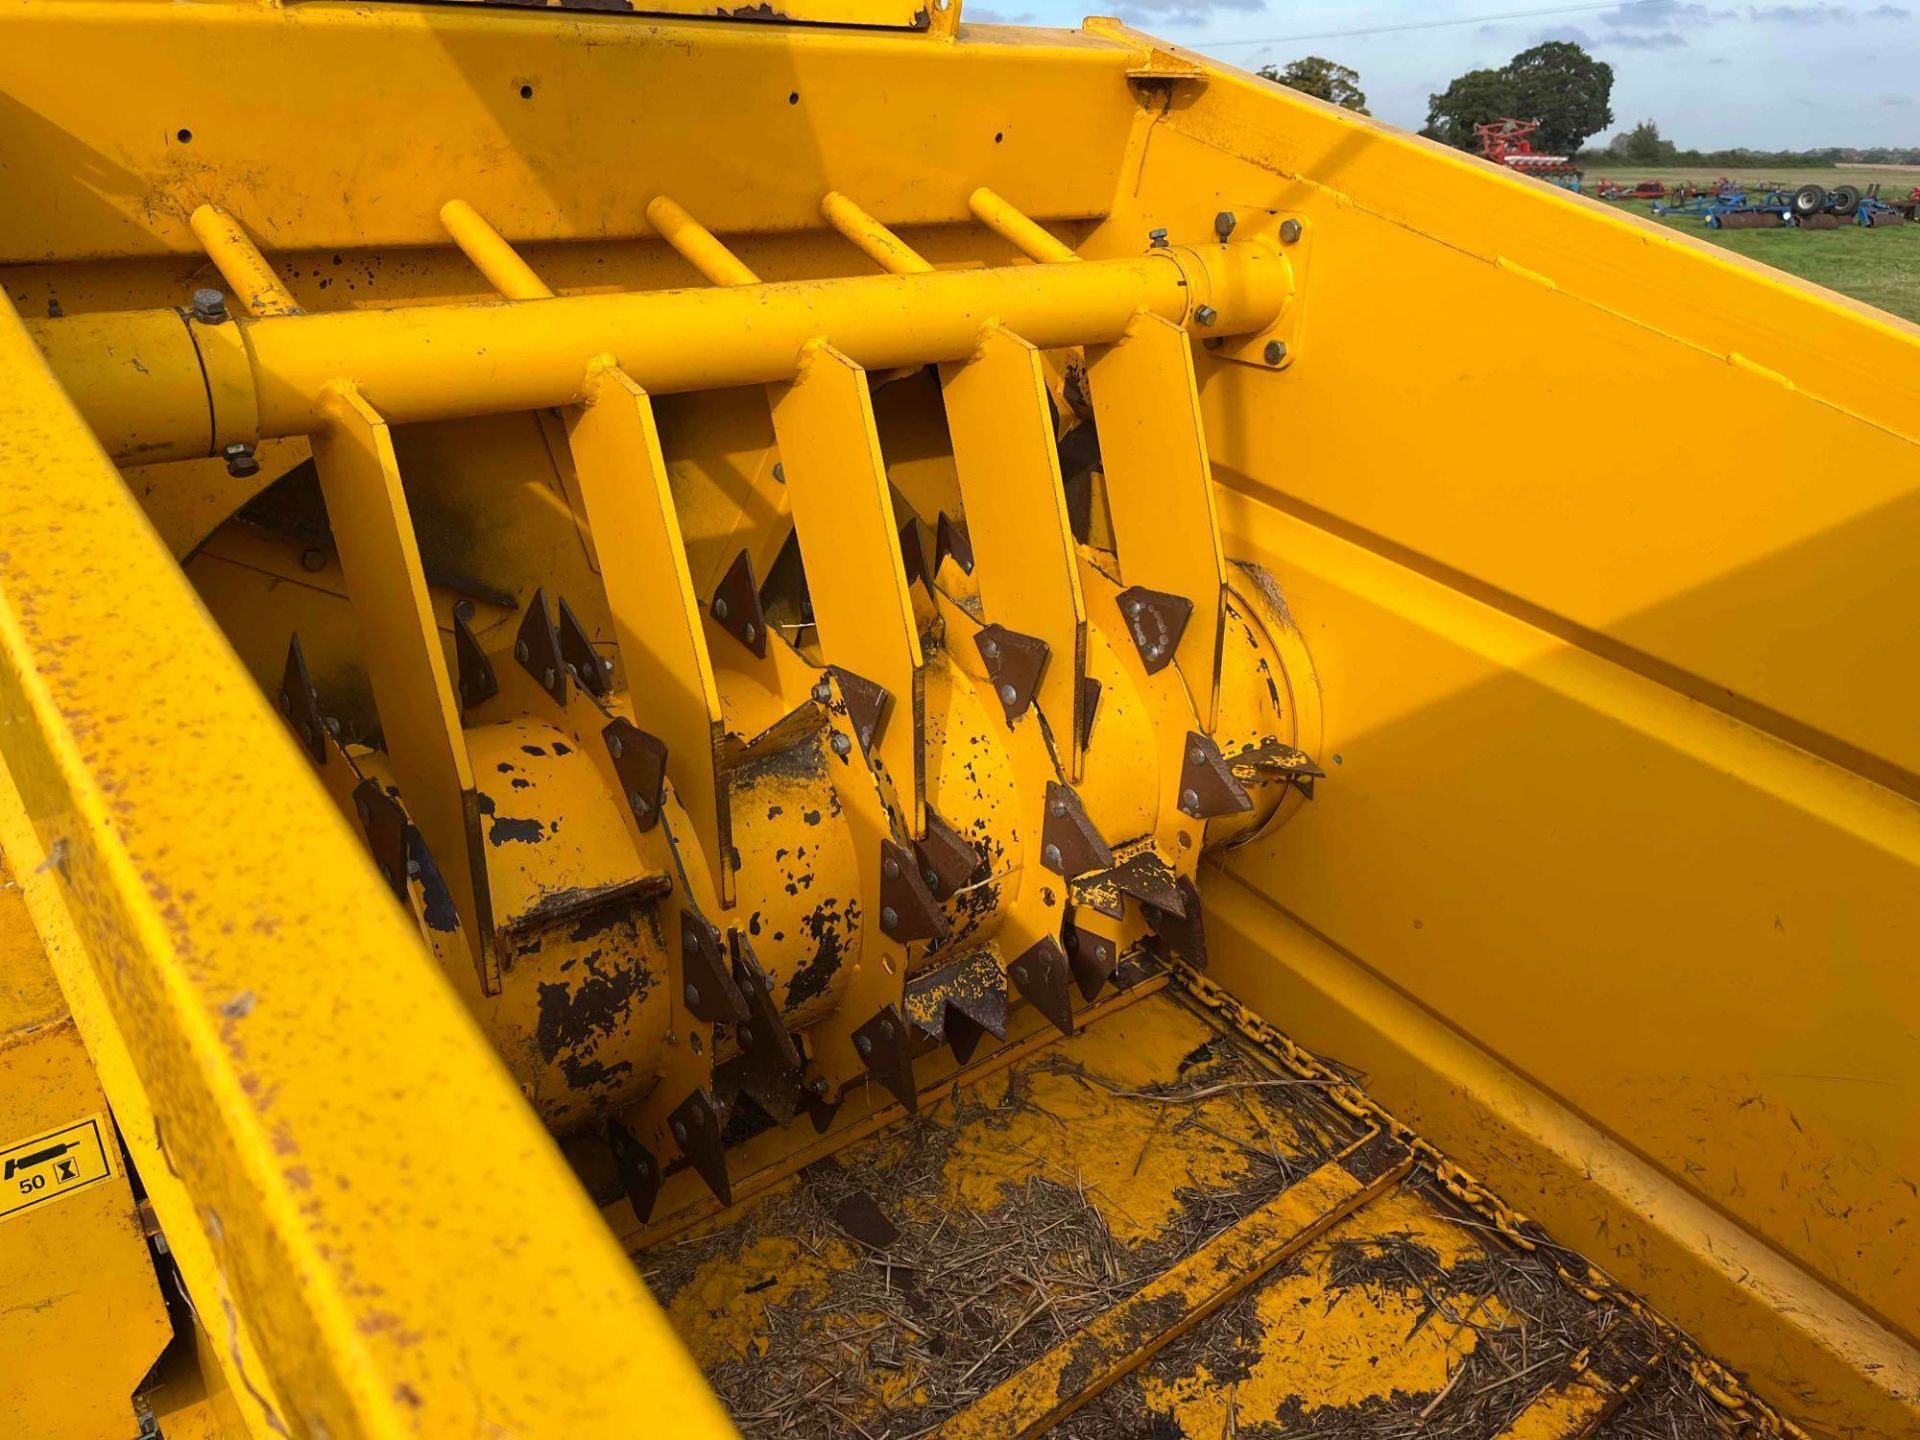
x=1584, y=1278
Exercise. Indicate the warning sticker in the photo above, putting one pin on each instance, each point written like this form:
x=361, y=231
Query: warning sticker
x=53, y=1166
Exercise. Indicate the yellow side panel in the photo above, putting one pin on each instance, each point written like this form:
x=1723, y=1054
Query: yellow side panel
x=81, y=1319
x=1621, y=752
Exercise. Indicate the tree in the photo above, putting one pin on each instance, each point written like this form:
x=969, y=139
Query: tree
x=1557, y=83
x=1475, y=98
x=1323, y=79
x=1566, y=90
x=1642, y=145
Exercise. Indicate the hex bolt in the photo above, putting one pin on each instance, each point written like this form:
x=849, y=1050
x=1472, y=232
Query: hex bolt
x=1223, y=223
x=823, y=692
x=1276, y=351
x=240, y=460
x=1158, y=237
x=1206, y=315
x=1289, y=231
x=210, y=307
x=889, y=917
x=841, y=744
x=1052, y=856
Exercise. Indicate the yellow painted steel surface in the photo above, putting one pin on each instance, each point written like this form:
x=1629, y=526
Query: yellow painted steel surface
x=1610, y=880
x=285, y=1030
x=81, y=1320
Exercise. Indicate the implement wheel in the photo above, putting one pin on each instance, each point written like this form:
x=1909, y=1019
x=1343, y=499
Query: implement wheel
x=1810, y=200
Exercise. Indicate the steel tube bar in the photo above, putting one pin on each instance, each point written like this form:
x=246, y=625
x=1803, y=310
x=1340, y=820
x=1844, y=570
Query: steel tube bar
x=1027, y=236
x=696, y=244
x=438, y=362
x=490, y=253
x=876, y=242
x=240, y=263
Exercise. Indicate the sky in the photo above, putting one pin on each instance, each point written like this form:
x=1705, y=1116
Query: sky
x=1711, y=75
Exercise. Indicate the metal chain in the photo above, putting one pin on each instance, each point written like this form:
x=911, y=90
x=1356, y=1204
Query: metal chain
x=1586, y=1279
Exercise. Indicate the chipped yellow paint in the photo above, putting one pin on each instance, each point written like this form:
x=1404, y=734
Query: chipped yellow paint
x=1333, y=1348
x=721, y=1311
x=1072, y=1130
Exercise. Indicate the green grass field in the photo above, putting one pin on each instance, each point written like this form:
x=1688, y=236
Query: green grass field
x=1879, y=266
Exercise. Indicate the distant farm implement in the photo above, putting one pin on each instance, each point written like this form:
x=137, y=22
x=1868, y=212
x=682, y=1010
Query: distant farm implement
x=1508, y=142
x=1730, y=205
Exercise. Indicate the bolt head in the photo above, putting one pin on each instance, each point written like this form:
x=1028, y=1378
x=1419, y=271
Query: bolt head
x=240, y=461
x=614, y=746
x=642, y=806
x=745, y=1036
x=890, y=868
x=823, y=692
x=931, y=878
x=1051, y=855
x=520, y=651
x=863, y=1045
x=209, y=306
x=1135, y=608
x=719, y=608
x=692, y=994
x=1189, y=800
x=752, y=632
x=1223, y=223
x=1008, y=694
x=1100, y=953
x=1157, y=237
x=680, y=1131
x=990, y=651
x=1206, y=315
x=886, y=1025
x=1197, y=756
x=689, y=941
x=780, y=472
x=841, y=744
x=889, y=917
x=1276, y=351
x=1289, y=231
x=312, y=560
x=1057, y=807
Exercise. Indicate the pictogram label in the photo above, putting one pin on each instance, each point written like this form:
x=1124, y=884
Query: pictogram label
x=53, y=1166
